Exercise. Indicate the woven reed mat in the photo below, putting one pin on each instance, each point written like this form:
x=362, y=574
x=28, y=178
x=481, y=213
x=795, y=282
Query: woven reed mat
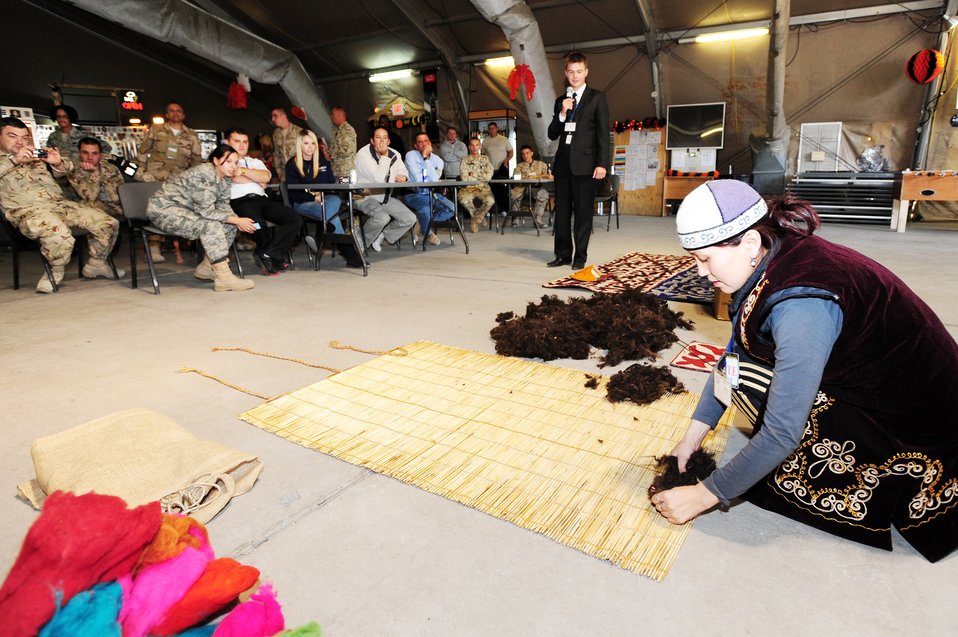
x=523, y=441
x=632, y=270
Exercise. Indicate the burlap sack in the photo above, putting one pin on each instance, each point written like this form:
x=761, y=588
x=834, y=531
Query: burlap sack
x=141, y=456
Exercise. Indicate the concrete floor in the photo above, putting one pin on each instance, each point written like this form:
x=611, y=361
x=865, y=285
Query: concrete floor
x=363, y=554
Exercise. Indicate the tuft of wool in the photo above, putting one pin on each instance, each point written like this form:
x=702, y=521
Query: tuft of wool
x=630, y=325
x=221, y=583
x=72, y=546
x=700, y=465
x=261, y=616
x=642, y=384
x=157, y=587
x=306, y=630
x=91, y=613
x=176, y=532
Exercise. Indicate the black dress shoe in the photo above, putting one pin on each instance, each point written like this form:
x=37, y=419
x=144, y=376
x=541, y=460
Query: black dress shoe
x=557, y=262
x=578, y=265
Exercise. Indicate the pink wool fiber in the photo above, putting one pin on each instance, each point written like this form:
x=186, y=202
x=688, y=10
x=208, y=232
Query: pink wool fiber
x=261, y=616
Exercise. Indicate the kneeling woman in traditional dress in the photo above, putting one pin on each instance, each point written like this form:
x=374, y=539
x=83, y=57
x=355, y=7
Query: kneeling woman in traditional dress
x=850, y=379
x=196, y=204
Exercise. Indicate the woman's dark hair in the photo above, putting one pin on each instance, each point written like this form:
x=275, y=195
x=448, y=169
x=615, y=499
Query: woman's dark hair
x=786, y=216
x=66, y=108
x=221, y=151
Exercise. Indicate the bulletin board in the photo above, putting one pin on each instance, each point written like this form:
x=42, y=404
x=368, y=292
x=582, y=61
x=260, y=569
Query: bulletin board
x=639, y=158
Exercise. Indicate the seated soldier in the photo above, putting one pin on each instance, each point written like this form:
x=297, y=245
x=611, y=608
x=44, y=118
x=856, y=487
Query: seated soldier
x=32, y=201
x=387, y=218
x=424, y=165
x=531, y=168
x=477, y=200
x=96, y=179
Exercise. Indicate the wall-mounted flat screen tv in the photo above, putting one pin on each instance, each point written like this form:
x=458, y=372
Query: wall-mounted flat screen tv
x=695, y=126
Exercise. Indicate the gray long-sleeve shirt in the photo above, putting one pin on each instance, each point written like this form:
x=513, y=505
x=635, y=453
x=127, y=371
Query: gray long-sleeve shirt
x=804, y=331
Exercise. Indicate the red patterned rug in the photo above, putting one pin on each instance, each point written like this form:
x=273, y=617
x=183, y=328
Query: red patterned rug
x=633, y=270
x=700, y=357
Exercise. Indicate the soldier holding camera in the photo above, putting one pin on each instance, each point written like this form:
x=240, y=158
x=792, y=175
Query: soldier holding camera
x=34, y=203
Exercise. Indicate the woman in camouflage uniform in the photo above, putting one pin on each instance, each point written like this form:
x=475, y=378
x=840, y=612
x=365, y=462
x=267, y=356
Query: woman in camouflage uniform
x=196, y=204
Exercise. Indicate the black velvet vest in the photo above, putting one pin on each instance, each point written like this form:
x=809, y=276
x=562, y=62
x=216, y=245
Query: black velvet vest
x=893, y=356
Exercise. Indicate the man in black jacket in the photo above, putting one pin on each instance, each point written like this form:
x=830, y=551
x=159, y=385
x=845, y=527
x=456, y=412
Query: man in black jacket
x=581, y=124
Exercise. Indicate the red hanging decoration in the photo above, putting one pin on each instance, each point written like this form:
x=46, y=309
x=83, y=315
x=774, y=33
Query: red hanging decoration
x=299, y=111
x=520, y=75
x=924, y=66
x=236, y=97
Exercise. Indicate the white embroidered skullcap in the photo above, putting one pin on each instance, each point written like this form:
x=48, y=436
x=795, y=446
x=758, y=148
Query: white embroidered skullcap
x=716, y=211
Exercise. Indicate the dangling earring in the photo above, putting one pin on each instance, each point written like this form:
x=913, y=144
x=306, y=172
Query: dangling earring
x=753, y=262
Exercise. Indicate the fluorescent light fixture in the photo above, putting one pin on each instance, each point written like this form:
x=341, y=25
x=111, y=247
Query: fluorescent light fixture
x=724, y=36
x=711, y=131
x=390, y=75
x=135, y=120
x=499, y=62
x=157, y=119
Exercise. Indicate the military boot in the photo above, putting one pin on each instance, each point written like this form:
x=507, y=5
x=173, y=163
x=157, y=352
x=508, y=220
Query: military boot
x=204, y=271
x=225, y=281
x=99, y=268
x=156, y=254
x=44, y=286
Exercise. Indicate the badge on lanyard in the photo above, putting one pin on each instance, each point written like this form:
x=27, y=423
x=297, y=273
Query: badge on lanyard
x=726, y=376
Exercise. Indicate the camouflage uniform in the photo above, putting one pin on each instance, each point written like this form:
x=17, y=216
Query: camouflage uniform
x=165, y=154
x=33, y=202
x=69, y=143
x=478, y=200
x=343, y=150
x=284, y=147
x=196, y=204
x=536, y=170
x=98, y=188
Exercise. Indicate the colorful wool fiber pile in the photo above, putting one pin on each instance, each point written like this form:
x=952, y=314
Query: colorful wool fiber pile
x=90, y=567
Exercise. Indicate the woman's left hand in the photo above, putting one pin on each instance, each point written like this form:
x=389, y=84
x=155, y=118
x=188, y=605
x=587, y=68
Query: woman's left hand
x=681, y=504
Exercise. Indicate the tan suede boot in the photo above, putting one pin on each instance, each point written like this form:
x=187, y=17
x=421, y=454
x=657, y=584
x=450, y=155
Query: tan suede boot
x=44, y=286
x=225, y=281
x=204, y=271
x=156, y=254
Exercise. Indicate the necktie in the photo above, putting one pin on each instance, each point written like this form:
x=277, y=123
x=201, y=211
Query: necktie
x=575, y=104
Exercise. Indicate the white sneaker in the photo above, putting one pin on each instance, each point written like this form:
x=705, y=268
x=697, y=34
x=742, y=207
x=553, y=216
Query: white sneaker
x=377, y=245
x=432, y=239
x=44, y=286
x=94, y=269
x=156, y=254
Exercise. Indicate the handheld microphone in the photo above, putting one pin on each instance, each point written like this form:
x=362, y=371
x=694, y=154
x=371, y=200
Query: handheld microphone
x=569, y=92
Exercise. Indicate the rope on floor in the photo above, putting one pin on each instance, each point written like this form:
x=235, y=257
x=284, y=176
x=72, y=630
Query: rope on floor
x=276, y=356
x=186, y=370
x=398, y=351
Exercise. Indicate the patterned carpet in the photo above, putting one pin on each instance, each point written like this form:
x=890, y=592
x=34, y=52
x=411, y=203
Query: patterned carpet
x=667, y=276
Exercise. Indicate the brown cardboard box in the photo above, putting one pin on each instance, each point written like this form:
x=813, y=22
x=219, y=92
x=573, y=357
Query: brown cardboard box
x=720, y=305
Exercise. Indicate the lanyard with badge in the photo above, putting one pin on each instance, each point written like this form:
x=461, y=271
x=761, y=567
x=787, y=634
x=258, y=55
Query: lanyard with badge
x=726, y=375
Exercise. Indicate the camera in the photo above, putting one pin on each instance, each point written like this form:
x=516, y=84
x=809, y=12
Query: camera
x=40, y=153
x=954, y=121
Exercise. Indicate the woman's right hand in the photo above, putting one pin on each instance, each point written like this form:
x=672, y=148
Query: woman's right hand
x=243, y=224
x=690, y=442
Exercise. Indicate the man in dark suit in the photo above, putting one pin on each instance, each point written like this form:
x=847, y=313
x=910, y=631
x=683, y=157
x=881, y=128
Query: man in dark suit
x=581, y=124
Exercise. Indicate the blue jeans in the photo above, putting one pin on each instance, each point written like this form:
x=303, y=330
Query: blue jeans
x=442, y=209
x=314, y=210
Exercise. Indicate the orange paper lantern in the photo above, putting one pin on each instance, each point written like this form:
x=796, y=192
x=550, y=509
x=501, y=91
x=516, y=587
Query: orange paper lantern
x=924, y=66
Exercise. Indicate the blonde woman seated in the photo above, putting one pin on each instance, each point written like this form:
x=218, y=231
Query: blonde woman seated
x=310, y=166
x=196, y=204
